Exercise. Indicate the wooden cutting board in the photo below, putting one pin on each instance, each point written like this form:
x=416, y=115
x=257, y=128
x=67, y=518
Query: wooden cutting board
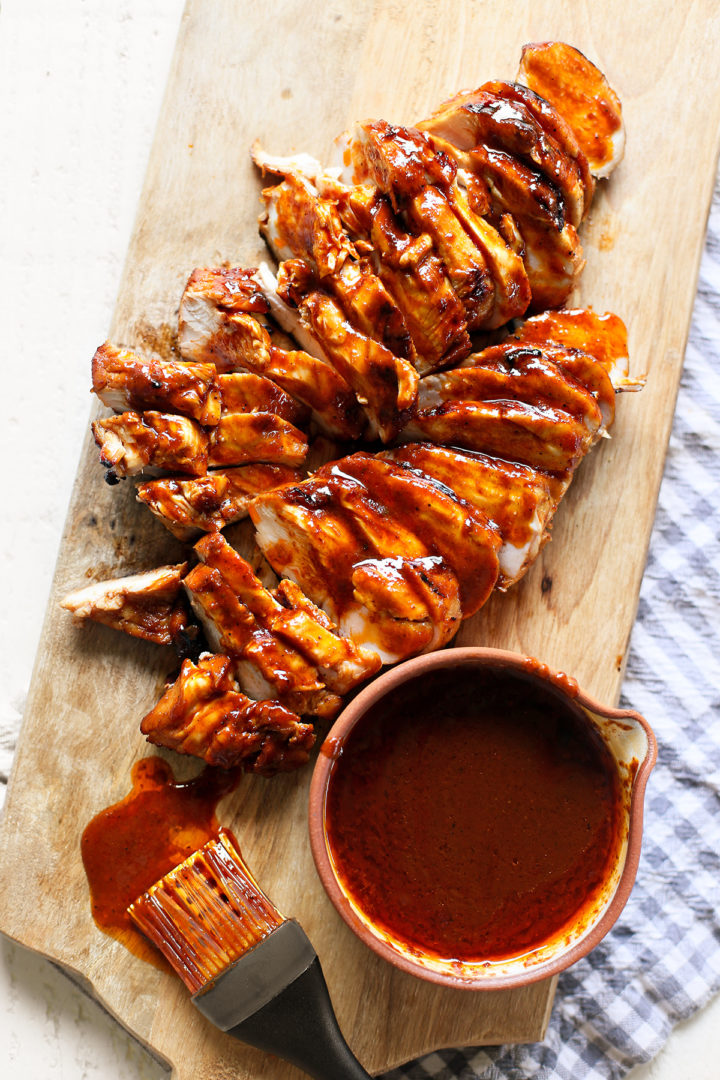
x=294, y=73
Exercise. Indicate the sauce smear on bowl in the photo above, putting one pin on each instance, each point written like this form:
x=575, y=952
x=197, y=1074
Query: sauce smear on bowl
x=472, y=814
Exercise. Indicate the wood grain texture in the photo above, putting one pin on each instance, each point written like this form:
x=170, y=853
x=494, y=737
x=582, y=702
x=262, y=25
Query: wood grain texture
x=294, y=74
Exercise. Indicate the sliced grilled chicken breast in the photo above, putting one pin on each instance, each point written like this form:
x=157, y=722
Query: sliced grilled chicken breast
x=148, y=605
x=341, y=664
x=518, y=500
x=124, y=380
x=206, y=503
x=266, y=667
x=583, y=97
x=246, y=437
x=202, y=713
x=446, y=525
x=132, y=442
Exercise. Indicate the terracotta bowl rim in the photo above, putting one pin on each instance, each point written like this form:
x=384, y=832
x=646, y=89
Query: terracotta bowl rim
x=501, y=658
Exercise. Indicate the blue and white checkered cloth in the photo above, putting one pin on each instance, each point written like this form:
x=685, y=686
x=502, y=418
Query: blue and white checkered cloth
x=661, y=961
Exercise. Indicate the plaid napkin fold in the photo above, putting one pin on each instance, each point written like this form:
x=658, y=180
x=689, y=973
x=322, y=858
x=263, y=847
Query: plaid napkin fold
x=661, y=961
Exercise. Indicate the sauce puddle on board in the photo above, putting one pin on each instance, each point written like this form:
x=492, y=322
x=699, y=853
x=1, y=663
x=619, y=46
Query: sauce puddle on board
x=472, y=814
x=131, y=845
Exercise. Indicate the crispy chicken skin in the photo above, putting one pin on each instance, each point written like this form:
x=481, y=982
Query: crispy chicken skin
x=202, y=713
x=132, y=442
x=148, y=606
x=206, y=503
x=123, y=380
x=265, y=666
x=582, y=95
x=518, y=500
x=291, y=616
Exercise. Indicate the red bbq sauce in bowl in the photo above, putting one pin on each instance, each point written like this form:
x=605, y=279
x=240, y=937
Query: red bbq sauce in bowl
x=472, y=813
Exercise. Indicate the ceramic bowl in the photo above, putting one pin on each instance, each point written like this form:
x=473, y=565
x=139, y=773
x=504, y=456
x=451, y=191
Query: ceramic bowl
x=633, y=747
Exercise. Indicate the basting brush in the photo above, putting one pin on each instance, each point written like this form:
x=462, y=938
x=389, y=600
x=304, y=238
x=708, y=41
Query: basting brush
x=252, y=972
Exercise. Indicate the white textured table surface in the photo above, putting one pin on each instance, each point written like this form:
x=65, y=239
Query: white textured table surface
x=80, y=87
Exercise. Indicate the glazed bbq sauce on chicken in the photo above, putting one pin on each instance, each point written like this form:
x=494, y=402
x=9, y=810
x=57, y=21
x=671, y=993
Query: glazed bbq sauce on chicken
x=564, y=77
x=472, y=815
x=131, y=845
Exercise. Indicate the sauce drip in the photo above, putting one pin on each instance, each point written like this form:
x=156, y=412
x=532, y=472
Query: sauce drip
x=473, y=814
x=131, y=845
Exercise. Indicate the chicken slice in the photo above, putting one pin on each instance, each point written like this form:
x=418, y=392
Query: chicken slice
x=406, y=582
x=514, y=188
x=307, y=536
x=404, y=166
x=148, y=605
x=586, y=370
x=124, y=380
x=302, y=165
x=509, y=372
x=399, y=161
x=132, y=442
x=553, y=261
x=308, y=374
x=244, y=391
x=303, y=626
x=503, y=122
x=582, y=96
x=203, y=714
x=206, y=503
x=557, y=127
x=418, y=600
x=430, y=212
x=210, y=294
x=410, y=323
x=443, y=523
x=266, y=667
x=511, y=288
x=240, y=438
x=550, y=247
x=415, y=277
x=602, y=336
x=515, y=498
x=382, y=532
x=542, y=436
x=236, y=341
x=385, y=385
x=298, y=223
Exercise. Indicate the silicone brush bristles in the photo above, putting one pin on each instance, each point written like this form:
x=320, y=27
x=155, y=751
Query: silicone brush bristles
x=206, y=913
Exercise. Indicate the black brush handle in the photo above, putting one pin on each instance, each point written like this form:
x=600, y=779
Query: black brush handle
x=299, y=1024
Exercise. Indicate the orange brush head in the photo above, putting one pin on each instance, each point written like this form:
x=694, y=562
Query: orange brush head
x=206, y=913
